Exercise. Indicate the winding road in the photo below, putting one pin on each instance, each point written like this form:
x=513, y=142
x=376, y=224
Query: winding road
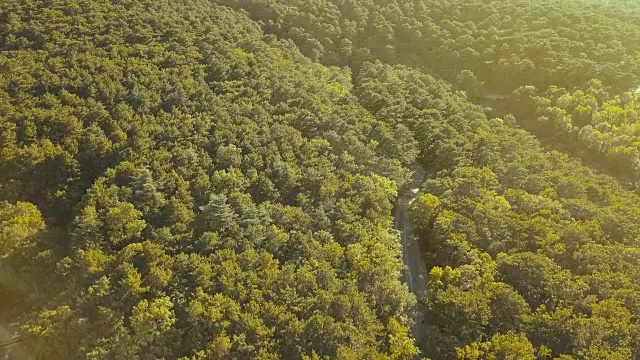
x=415, y=273
x=10, y=347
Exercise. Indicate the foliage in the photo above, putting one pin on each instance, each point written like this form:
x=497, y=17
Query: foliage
x=504, y=43
x=179, y=185
x=514, y=235
x=198, y=179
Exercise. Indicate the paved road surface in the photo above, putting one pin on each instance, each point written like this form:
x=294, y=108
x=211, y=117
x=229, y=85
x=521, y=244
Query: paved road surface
x=415, y=274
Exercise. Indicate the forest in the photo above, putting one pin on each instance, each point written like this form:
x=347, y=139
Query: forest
x=221, y=179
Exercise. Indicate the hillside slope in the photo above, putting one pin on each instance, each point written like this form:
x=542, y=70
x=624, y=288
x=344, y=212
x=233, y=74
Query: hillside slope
x=193, y=179
x=175, y=184
x=530, y=253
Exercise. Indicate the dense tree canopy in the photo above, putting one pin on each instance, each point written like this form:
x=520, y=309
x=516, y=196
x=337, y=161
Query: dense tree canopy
x=505, y=43
x=216, y=179
x=519, y=239
x=190, y=188
x=599, y=126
